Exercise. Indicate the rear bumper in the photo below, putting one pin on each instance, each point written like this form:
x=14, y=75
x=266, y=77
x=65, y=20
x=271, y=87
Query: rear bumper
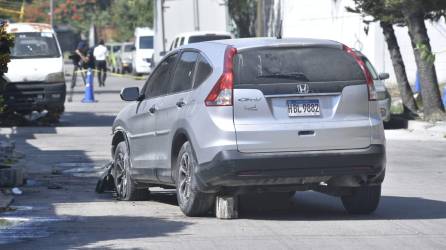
x=29, y=96
x=232, y=169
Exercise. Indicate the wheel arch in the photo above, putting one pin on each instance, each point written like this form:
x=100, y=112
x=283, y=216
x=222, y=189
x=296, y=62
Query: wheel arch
x=179, y=138
x=119, y=136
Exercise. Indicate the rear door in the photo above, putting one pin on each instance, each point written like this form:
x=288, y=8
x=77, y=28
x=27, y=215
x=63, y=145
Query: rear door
x=299, y=99
x=172, y=107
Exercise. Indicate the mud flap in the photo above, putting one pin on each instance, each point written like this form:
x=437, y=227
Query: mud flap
x=106, y=182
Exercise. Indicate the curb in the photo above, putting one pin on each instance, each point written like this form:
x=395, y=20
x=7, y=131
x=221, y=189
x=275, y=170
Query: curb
x=421, y=125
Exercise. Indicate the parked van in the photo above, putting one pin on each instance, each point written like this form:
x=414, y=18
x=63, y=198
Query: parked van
x=143, y=51
x=35, y=75
x=198, y=36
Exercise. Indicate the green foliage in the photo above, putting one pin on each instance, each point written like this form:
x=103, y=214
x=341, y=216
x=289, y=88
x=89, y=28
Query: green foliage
x=6, y=42
x=127, y=15
x=244, y=15
x=425, y=53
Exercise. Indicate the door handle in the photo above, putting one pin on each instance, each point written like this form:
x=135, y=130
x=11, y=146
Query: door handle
x=152, y=110
x=180, y=103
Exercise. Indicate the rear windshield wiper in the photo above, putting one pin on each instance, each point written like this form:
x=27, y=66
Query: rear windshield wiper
x=296, y=76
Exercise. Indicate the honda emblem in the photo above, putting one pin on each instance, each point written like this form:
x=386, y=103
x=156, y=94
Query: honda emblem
x=303, y=88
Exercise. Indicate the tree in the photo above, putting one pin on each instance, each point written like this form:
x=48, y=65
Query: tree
x=414, y=13
x=137, y=13
x=387, y=17
x=6, y=42
x=244, y=15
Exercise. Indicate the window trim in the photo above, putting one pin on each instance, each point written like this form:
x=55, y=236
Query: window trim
x=195, y=69
x=143, y=90
x=194, y=86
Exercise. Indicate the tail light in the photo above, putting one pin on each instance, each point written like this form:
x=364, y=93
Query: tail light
x=368, y=76
x=221, y=94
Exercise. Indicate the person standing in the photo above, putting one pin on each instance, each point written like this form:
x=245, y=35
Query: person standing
x=100, y=55
x=79, y=58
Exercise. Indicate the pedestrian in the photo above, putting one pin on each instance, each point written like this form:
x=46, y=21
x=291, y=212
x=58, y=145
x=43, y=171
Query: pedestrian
x=80, y=59
x=100, y=55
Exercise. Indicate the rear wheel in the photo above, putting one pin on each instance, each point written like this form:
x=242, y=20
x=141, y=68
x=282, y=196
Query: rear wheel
x=125, y=186
x=191, y=201
x=362, y=200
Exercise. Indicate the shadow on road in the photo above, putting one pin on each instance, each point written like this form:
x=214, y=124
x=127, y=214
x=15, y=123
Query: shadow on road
x=315, y=207
x=86, y=119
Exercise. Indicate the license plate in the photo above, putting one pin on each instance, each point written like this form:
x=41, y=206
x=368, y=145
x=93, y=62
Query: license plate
x=303, y=108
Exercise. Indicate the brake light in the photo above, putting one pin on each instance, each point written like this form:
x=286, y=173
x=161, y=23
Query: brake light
x=368, y=76
x=221, y=93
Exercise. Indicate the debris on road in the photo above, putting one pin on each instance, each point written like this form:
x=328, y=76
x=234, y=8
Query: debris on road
x=105, y=182
x=16, y=191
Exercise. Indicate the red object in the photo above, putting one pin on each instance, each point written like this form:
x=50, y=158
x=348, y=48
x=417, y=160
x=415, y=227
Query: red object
x=219, y=95
x=368, y=76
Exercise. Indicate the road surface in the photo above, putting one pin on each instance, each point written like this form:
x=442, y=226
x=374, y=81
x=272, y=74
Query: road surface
x=60, y=210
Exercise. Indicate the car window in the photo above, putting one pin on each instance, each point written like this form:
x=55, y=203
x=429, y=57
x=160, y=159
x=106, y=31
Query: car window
x=35, y=45
x=289, y=65
x=210, y=37
x=176, y=42
x=182, y=41
x=146, y=42
x=370, y=68
x=204, y=69
x=158, y=83
x=184, y=72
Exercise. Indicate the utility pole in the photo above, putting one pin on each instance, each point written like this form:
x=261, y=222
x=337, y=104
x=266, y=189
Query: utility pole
x=51, y=13
x=162, y=25
x=196, y=16
x=260, y=18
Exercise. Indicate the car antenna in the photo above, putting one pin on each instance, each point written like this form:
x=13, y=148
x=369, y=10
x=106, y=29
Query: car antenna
x=279, y=30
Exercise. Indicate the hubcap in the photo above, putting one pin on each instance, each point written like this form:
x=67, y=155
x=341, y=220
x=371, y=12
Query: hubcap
x=185, y=177
x=121, y=175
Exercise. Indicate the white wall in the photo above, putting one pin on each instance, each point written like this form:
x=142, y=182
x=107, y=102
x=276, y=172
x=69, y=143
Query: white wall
x=329, y=20
x=179, y=17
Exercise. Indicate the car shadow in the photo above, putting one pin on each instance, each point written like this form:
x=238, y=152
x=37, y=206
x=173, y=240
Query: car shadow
x=312, y=206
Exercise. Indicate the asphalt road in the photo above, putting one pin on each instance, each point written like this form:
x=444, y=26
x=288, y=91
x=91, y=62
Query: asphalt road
x=60, y=210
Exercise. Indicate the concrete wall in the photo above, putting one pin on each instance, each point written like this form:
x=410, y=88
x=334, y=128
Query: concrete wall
x=329, y=20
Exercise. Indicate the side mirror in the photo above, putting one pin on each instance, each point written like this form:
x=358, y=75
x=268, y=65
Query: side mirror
x=130, y=94
x=383, y=76
x=163, y=53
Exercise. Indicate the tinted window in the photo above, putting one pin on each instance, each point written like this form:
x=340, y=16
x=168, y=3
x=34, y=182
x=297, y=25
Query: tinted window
x=182, y=41
x=370, y=68
x=204, y=38
x=284, y=65
x=34, y=45
x=159, y=81
x=128, y=47
x=146, y=42
x=184, y=72
x=204, y=69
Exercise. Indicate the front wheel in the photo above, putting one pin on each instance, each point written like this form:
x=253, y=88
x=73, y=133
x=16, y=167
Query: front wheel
x=191, y=201
x=362, y=200
x=124, y=185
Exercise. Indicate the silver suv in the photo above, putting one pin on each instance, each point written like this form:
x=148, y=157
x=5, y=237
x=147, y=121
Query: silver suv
x=248, y=115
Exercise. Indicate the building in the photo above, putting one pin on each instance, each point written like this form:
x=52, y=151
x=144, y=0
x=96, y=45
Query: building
x=329, y=19
x=176, y=16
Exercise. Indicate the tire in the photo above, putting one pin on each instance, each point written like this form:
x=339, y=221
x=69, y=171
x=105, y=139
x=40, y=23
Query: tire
x=125, y=187
x=191, y=201
x=363, y=200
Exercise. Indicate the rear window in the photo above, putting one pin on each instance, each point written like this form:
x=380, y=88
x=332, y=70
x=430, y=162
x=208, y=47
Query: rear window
x=204, y=38
x=128, y=48
x=35, y=45
x=284, y=65
x=146, y=42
